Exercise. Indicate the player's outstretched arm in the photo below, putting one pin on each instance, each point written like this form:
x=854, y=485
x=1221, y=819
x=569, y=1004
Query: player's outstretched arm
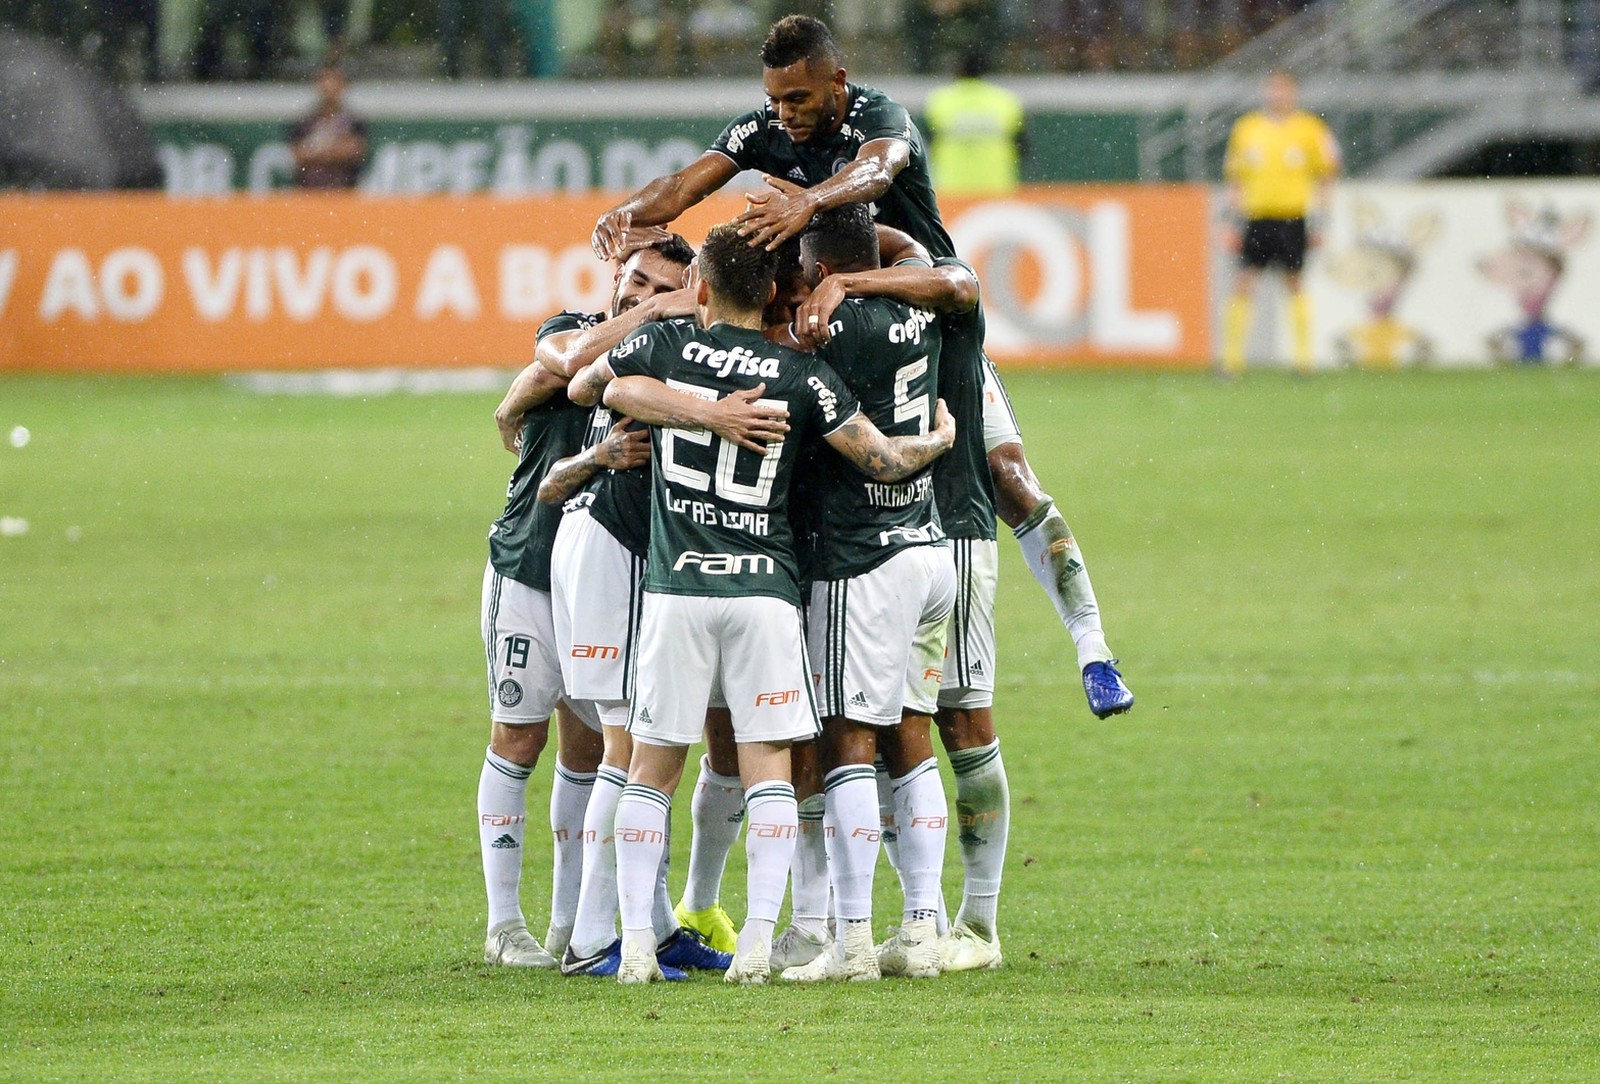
x=534, y=385
x=565, y=352
x=948, y=288
x=739, y=418
x=782, y=215
x=891, y=459
x=661, y=201
x=623, y=449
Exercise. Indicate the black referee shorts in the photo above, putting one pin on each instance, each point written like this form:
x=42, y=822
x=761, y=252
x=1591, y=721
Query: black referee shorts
x=1274, y=242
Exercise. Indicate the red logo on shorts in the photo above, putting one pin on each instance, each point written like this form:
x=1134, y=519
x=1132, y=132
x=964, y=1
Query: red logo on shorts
x=772, y=700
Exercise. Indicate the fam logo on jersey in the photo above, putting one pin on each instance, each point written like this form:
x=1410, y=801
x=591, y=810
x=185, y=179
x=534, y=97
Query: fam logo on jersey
x=740, y=133
x=739, y=360
x=828, y=401
x=725, y=564
x=509, y=693
x=623, y=349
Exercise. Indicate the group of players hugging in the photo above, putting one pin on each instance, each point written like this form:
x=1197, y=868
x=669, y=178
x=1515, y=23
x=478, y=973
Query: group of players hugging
x=756, y=502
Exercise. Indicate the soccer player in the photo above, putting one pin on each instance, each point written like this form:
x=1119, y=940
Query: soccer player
x=825, y=142
x=721, y=600
x=594, y=565
x=1280, y=166
x=525, y=685
x=884, y=586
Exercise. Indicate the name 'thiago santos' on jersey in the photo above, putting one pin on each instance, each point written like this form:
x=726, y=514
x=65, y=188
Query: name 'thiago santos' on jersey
x=888, y=353
x=719, y=517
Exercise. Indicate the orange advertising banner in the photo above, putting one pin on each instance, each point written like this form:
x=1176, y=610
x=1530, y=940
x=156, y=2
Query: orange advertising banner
x=108, y=283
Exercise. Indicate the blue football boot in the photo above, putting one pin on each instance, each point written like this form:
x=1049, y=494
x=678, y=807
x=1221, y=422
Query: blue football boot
x=606, y=963
x=1104, y=687
x=687, y=949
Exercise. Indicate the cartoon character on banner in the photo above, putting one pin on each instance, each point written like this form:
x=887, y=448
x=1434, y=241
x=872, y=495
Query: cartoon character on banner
x=1378, y=266
x=1530, y=267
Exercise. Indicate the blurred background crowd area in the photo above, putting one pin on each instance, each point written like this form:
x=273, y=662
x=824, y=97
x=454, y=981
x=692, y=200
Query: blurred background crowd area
x=229, y=40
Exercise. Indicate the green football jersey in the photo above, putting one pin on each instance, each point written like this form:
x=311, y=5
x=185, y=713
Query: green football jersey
x=962, y=484
x=757, y=140
x=888, y=354
x=520, y=541
x=719, y=515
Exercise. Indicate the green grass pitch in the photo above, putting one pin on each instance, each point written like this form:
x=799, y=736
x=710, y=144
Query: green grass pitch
x=1349, y=833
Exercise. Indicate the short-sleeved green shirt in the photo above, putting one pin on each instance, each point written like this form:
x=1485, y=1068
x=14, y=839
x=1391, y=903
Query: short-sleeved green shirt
x=520, y=541
x=888, y=353
x=757, y=140
x=719, y=516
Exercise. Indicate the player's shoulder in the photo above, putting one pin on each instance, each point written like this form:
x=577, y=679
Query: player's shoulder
x=871, y=104
x=569, y=320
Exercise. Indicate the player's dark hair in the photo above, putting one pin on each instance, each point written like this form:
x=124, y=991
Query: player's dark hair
x=800, y=37
x=974, y=64
x=845, y=238
x=737, y=272
x=676, y=249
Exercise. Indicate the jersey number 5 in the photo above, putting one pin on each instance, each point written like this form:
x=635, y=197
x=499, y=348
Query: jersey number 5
x=907, y=408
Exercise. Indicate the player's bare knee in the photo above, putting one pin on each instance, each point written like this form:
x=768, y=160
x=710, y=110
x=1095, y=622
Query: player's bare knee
x=847, y=742
x=579, y=747
x=905, y=746
x=519, y=744
x=805, y=769
x=618, y=747
x=965, y=728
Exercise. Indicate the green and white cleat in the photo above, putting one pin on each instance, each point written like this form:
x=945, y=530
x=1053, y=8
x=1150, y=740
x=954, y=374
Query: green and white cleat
x=795, y=947
x=713, y=924
x=965, y=949
x=854, y=959
x=912, y=951
x=509, y=944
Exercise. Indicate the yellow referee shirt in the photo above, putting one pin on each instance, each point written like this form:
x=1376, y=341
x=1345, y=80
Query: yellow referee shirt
x=973, y=127
x=1276, y=164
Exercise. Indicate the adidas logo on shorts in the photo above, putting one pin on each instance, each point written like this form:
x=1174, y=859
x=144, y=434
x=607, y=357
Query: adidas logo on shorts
x=644, y=715
x=859, y=700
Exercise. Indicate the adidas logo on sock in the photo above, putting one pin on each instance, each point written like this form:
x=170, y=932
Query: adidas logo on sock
x=859, y=700
x=504, y=843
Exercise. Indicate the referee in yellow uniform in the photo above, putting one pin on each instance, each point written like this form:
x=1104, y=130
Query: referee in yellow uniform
x=1280, y=167
x=976, y=134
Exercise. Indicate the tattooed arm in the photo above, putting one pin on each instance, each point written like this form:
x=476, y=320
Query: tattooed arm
x=892, y=459
x=621, y=450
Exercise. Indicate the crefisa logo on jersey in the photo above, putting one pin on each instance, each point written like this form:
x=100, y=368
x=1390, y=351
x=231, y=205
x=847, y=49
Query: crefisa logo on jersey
x=738, y=360
x=743, y=132
x=828, y=401
x=509, y=693
x=911, y=330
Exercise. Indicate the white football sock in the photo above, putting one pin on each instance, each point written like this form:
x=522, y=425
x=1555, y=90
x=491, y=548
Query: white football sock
x=772, y=819
x=854, y=828
x=808, y=880
x=1056, y=562
x=569, y=802
x=886, y=814
x=718, y=810
x=662, y=920
x=502, y=823
x=643, y=814
x=983, y=806
x=594, y=925
x=924, y=815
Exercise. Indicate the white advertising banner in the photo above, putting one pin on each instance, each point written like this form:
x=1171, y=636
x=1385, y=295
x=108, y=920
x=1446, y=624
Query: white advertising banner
x=1452, y=273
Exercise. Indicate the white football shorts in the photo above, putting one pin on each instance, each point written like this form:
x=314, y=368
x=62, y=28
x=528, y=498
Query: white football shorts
x=520, y=643
x=968, y=680
x=752, y=648
x=595, y=584
x=877, y=640
x=999, y=422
